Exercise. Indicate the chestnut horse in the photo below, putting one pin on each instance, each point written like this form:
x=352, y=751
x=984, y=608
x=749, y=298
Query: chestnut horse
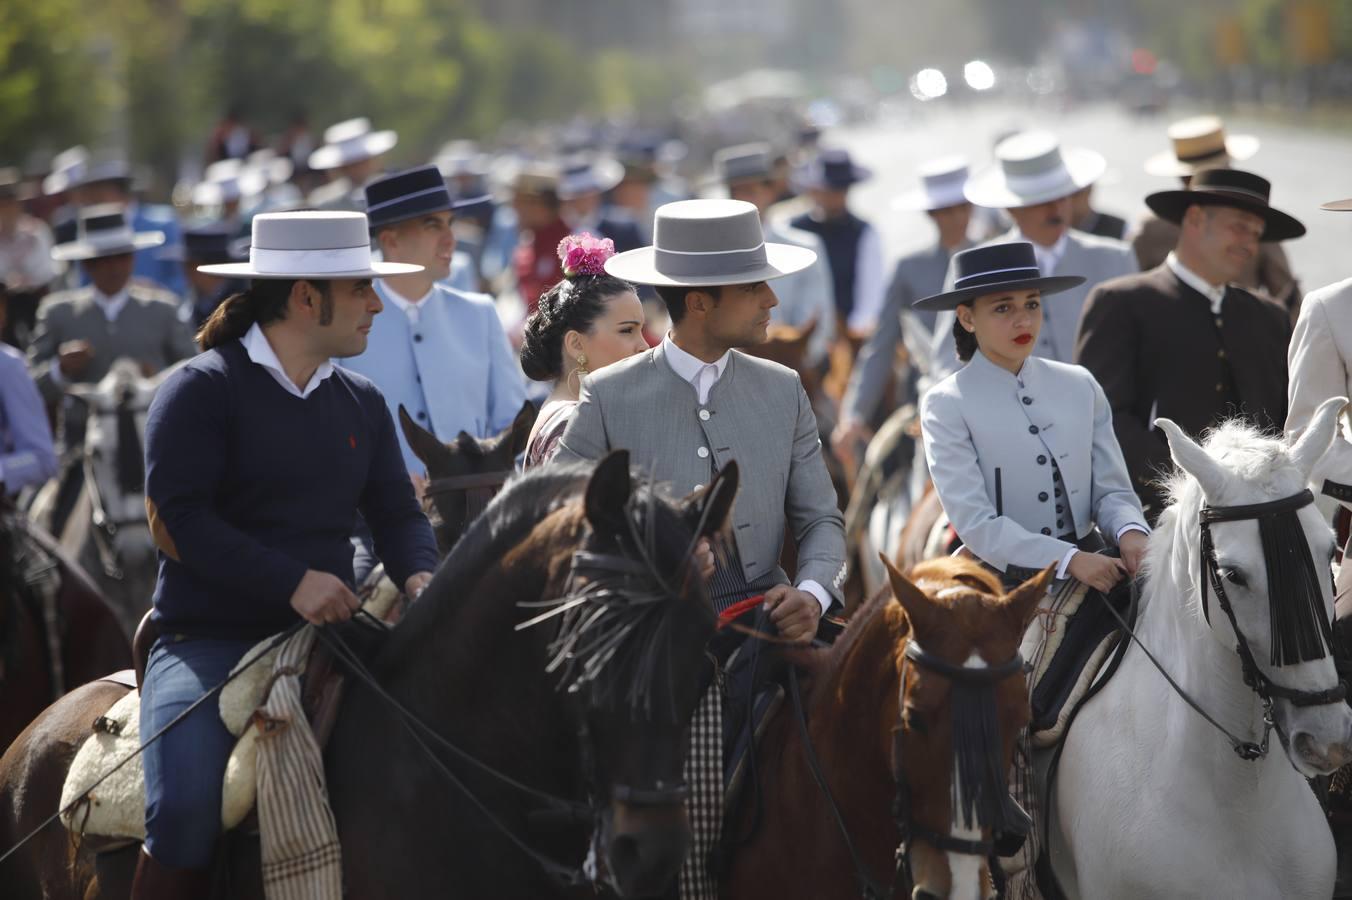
x=622, y=620
x=884, y=706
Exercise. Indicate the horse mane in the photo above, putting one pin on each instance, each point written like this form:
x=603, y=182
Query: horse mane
x=509, y=517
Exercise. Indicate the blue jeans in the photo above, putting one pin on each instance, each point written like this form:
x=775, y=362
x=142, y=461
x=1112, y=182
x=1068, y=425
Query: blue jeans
x=184, y=768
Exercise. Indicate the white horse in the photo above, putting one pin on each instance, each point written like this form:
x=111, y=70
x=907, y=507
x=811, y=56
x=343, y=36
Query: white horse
x=1153, y=801
x=107, y=530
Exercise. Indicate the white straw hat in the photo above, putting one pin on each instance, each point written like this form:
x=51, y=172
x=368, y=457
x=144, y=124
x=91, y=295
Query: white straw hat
x=941, y=184
x=103, y=230
x=288, y=245
x=350, y=141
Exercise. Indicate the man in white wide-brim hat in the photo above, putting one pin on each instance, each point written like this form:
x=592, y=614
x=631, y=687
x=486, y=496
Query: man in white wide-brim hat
x=350, y=157
x=259, y=455
x=1198, y=144
x=939, y=195
x=1032, y=179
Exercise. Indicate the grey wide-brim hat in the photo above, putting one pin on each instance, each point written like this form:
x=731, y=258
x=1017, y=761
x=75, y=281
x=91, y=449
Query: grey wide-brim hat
x=310, y=244
x=707, y=243
x=1032, y=168
x=103, y=230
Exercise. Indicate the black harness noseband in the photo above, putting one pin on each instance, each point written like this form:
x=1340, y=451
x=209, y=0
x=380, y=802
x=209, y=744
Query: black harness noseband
x=1254, y=676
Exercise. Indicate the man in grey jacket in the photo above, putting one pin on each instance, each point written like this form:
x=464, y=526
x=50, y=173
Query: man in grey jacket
x=1033, y=179
x=690, y=405
x=80, y=333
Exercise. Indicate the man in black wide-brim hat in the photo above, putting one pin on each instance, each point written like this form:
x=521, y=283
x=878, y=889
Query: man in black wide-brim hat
x=1181, y=340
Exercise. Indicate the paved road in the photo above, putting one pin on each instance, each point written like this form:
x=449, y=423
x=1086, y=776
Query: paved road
x=1306, y=168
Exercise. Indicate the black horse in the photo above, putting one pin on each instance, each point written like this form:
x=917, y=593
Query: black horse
x=591, y=704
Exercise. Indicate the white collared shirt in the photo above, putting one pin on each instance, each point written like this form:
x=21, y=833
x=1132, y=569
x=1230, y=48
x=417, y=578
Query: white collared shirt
x=702, y=377
x=261, y=352
x=1214, y=293
x=112, y=306
x=410, y=308
x=1048, y=258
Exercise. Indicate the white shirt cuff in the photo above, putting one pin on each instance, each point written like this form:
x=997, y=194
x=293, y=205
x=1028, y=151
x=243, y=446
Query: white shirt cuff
x=1065, y=563
x=1132, y=527
x=817, y=591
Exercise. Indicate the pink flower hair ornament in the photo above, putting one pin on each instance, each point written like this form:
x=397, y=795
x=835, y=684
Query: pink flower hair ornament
x=583, y=254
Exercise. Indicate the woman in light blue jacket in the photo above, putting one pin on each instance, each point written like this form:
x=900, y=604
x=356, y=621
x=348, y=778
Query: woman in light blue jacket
x=1021, y=449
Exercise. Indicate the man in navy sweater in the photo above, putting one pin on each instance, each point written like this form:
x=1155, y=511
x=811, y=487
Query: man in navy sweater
x=259, y=455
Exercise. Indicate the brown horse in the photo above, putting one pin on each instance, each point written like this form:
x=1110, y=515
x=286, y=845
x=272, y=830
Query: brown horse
x=628, y=652
x=882, y=716
x=85, y=637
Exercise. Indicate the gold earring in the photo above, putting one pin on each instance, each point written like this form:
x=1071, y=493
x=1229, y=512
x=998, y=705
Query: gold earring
x=582, y=364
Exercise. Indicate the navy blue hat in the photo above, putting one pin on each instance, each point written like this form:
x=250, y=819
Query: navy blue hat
x=832, y=170
x=209, y=244
x=410, y=193
x=995, y=268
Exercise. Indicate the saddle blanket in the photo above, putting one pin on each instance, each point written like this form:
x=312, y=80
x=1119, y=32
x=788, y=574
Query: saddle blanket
x=116, y=808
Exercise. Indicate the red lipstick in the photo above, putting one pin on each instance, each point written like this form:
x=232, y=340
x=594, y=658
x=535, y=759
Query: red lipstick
x=1023, y=339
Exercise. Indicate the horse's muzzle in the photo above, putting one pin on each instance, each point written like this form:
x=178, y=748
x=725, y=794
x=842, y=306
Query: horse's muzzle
x=645, y=848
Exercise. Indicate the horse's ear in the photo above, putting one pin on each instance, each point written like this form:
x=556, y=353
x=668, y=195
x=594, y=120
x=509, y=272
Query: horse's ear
x=519, y=433
x=424, y=443
x=1022, y=602
x=1191, y=458
x=920, y=608
x=1314, y=441
x=608, y=491
x=709, y=508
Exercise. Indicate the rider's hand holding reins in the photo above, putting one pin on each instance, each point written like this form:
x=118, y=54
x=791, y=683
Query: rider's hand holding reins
x=1096, y=570
x=416, y=583
x=704, y=558
x=1132, y=544
x=794, y=612
x=322, y=599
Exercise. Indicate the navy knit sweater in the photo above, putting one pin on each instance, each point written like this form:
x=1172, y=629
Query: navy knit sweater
x=248, y=486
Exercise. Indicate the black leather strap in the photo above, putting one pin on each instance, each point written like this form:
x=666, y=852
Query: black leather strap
x=1337, y=491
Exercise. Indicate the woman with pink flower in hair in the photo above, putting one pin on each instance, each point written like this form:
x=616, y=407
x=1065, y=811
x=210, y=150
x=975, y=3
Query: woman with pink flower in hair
x=585, y=322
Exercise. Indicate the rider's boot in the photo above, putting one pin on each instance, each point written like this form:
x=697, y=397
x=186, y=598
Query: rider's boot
x=156, y=882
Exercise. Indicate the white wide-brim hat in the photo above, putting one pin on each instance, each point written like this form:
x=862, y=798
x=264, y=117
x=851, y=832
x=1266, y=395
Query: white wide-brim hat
x=1031, y=168
x=1201, y=143
x=941, y=184
x=103, y=230
x=351, y=141
x=310, y=244
x=707, y=243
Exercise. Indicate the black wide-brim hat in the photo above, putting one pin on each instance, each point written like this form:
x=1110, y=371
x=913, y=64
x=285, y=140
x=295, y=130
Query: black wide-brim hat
x=1228, y=187
x=409, y=194
x=993, y=269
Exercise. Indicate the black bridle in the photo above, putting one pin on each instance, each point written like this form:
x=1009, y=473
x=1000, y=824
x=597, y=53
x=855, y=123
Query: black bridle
x=984, y=800
x=1300, y=630
x=472, y=492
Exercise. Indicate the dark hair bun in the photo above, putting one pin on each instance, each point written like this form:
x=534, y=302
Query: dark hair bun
x=574, y=304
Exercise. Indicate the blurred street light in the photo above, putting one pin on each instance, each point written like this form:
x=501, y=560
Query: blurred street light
x=929, y=84
x=979, y=75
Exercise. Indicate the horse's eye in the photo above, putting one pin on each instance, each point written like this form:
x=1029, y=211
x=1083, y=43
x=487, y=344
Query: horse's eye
x=1235, y=577
x=914, y=720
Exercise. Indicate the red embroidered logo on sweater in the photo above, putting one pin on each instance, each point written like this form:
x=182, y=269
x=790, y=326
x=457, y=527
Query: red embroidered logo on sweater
x=352, y=441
